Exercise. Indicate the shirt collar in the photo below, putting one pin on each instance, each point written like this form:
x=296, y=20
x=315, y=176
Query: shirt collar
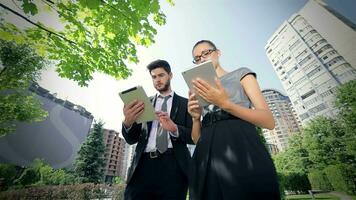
x=172, y=94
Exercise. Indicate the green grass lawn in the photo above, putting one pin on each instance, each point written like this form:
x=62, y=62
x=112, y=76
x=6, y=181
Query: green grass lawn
x=307, y=197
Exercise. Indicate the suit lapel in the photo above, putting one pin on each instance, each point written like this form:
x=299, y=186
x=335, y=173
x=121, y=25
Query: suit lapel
x=175, y=107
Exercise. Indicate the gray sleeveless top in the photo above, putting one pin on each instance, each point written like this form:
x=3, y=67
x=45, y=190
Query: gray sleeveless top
x=231, y=83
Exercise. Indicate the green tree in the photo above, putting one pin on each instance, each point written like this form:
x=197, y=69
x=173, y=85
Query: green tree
x=294, y=159
x=50, y=176
x=41, y=173
x=31, y=175
x=21, y=67
x=346, y=103
x=90, y=157
x=324, y=140
x=97, y=35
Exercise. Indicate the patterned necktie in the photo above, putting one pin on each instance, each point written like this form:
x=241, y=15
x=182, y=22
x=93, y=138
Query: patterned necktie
x=161, y=137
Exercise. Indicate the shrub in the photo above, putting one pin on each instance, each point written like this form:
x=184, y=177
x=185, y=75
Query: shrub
x=297, y=183
x=342, y=177
x=8, y=173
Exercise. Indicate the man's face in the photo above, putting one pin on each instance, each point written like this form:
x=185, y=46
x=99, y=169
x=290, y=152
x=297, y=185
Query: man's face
x=204, y=52
x=161, y=79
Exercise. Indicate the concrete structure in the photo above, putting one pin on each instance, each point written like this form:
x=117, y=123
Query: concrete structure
x=313, y=53
x=129, y=156
x=285, y=120
x=115, y=156
x=56, y=140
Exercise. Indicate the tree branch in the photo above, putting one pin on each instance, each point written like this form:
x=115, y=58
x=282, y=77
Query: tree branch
x=119, y=11
x=35, y=24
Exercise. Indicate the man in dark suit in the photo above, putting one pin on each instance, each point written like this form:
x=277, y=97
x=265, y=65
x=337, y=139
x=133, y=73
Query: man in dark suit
x=159, y=168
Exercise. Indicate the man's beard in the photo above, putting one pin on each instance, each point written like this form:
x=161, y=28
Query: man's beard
x=165, y=87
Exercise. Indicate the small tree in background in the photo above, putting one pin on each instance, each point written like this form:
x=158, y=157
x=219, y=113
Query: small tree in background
x=90, y=157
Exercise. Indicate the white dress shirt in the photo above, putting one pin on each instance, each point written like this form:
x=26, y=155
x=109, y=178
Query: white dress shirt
x=151, y=145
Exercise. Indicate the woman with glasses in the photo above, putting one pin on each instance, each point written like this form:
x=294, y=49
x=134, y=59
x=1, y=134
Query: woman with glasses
x=230, y=161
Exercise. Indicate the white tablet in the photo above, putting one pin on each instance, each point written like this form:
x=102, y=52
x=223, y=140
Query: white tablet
x=138, y=93
x=203, y=71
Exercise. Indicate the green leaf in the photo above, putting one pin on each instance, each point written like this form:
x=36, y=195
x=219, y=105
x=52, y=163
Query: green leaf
x=29, y=7
x=113, y=29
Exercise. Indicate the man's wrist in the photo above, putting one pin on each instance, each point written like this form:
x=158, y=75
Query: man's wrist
x=174, y=133
x=126, y=124
x=196, y=119
x=175, y=129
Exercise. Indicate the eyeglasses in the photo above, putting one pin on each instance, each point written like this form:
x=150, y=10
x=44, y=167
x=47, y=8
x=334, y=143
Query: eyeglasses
x=203, y=54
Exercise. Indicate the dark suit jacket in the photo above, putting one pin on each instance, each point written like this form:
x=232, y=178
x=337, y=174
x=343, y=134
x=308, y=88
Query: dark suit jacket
x=139, y=134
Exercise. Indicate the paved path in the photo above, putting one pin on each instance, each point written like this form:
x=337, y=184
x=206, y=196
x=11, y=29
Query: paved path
x=340, y=195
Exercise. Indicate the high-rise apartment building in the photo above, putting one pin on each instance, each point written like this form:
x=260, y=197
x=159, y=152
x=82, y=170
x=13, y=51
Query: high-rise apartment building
x=115, y=155
x=286, y=122
x=313, y=53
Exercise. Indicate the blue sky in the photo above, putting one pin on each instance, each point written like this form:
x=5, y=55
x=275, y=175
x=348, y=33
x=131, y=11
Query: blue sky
x=239, y=28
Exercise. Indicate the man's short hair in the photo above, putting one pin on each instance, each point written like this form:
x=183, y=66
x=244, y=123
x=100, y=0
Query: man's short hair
x=204, y=41
x=159, y=64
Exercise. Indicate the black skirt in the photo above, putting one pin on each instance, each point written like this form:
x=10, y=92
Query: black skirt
x=230, y=162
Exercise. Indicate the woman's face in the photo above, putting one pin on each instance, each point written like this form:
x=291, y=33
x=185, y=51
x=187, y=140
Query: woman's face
x=204, y=52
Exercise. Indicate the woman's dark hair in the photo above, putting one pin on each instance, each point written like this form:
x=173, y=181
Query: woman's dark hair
x=204, y=41
x=159, y=64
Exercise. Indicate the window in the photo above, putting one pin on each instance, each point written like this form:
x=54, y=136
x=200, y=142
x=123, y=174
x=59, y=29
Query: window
x=335, y=60
x=285, y=60
x=313, y=72
x=318, y=108
x=308, y=94
x=305, y=59
x=294, y=44
x=304, y=116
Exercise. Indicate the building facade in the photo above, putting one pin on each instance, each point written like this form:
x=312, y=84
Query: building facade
x=286, y=122
x=115, y=156
x=56, y=139
x=313, y=53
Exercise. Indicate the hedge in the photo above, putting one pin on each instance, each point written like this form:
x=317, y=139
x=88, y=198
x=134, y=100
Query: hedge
x=342, y=177
x=297, y=183
x=78, y=191
x=319, y=181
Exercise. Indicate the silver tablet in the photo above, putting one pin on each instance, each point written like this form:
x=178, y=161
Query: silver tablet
x=138, y=93
x=203, y=71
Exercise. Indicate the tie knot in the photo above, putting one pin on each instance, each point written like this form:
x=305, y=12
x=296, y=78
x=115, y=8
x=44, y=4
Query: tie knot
x=165, y=98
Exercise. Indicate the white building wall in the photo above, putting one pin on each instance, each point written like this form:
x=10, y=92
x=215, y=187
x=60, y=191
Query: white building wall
x=340, y=35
